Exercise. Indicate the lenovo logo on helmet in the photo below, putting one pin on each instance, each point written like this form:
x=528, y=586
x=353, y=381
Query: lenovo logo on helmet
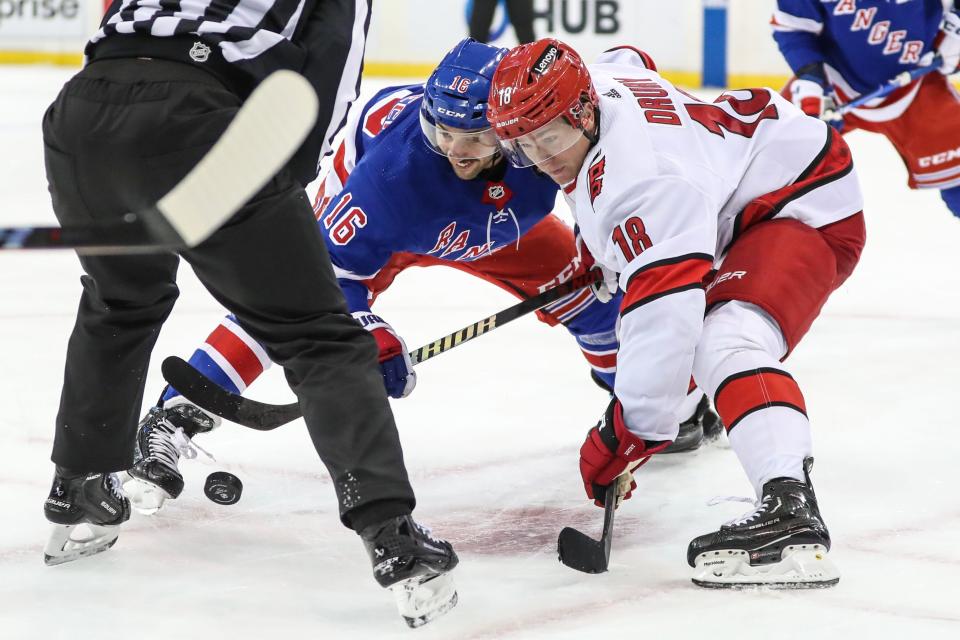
x=448, y=112
x=546, y=59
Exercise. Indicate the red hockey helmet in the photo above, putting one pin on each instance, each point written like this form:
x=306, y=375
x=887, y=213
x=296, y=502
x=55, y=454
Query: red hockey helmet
x=535, y=85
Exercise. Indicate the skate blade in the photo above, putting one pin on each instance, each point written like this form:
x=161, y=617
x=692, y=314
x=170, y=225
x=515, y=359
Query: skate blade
x=71, y=542
x=805, y=566
x=145, y=498
x=425, y=598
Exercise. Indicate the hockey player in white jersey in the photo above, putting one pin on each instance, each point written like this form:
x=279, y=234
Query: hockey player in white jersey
x=729, y=224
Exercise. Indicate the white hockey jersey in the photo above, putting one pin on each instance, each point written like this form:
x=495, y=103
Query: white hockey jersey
x=660, y=198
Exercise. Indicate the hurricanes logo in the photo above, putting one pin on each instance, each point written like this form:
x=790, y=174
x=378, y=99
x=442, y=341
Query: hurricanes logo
x=199, y=52
x=595, y=176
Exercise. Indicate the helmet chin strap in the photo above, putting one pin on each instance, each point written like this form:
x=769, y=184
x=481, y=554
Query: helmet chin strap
x=593, y=136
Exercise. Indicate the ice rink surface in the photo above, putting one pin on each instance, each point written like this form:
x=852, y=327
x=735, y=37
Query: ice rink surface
x=491, y=438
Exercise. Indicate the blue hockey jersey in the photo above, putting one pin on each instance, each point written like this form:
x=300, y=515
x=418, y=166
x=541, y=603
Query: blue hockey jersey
x=867, y=42
x=403, y=197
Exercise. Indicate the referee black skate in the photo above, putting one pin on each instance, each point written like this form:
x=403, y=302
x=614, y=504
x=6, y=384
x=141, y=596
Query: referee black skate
x=152, y=99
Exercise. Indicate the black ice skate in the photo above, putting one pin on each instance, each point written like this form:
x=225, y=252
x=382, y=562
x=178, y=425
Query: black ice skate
x=782, y=544
x=415, y=566
x=703, y=426
x=163, y=436
x=87, y=510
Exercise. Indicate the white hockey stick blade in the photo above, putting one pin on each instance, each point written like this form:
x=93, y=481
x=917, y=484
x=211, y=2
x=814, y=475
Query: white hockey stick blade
x=265, y=133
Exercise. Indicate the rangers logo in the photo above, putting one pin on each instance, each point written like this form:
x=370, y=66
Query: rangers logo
x=200, y=52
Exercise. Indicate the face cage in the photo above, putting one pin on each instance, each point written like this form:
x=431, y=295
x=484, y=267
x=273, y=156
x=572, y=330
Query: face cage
x=461, y=144
x=541, y=144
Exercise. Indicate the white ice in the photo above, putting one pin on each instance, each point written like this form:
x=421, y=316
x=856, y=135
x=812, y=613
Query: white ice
x=491, y=437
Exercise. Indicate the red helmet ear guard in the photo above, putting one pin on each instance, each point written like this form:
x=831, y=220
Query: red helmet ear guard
x=535, y=83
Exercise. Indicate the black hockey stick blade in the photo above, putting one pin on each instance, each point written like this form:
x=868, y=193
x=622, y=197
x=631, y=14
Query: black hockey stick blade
x=260, y=139
x=581, y=552
x=206, y=394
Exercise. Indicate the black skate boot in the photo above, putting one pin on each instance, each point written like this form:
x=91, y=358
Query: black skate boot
x=703, y=426
x=782, y=544
x=87, y=510
x=163, y=436
x=414, y=565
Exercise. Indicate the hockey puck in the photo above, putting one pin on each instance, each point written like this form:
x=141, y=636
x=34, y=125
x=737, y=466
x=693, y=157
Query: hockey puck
x=223, y=487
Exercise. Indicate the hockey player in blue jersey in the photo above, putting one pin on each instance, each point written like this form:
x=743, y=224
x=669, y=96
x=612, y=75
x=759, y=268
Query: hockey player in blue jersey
x=417, y=180
x=841, y=49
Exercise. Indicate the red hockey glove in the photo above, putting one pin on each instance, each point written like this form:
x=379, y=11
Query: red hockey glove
x=398, y=375
x=947, y=43
x=605, y=288
x=812, y=93
x=609, y=450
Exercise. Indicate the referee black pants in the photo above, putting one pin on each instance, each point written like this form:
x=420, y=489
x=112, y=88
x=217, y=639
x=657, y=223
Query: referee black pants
x=118, y=137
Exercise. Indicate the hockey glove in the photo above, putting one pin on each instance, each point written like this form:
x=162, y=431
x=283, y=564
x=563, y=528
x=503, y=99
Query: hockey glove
x=605, y=288
x=398, y=375
x=947, y=43
x=610, y=450
x=811, y=93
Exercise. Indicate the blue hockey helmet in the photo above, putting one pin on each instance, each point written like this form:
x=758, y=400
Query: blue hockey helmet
x=453, y=112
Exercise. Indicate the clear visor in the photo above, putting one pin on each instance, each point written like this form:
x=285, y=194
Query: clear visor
x=461, y=144
x=539, y=146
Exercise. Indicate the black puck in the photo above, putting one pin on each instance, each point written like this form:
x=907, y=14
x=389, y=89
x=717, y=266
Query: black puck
x=223, y=487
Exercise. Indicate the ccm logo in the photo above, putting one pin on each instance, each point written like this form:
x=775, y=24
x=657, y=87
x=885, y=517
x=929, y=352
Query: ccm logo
x=940, y=158
x=448, y=112
x=729, y=275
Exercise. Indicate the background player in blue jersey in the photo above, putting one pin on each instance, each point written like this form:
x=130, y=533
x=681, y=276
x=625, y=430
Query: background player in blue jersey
x=841, y=49
x=417, y=180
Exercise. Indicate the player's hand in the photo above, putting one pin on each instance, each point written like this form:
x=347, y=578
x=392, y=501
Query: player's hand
x=609, y=452
x=813, y=95
x=605, y=288
x=398, y=375
x=947, y=43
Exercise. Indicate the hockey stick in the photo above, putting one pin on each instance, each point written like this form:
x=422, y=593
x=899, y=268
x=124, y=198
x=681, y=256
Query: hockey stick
x=266, y=131
x=579, y=551
x=900, y=80
x=205, y=393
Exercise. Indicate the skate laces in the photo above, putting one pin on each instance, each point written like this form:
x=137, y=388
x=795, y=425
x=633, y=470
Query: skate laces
x=759, y=506
x=167, y=443
x=114, y=486
x=427, y=531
